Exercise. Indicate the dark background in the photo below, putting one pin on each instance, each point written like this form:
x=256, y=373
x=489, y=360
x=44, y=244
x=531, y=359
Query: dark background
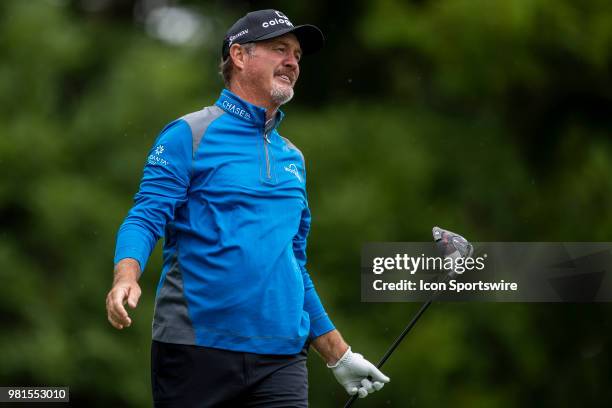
x=490, y=118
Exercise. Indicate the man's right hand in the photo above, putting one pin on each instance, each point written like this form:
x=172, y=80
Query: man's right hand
x=125, y=290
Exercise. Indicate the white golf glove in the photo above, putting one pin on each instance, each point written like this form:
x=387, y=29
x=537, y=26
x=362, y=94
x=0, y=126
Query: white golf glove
x=352, y=371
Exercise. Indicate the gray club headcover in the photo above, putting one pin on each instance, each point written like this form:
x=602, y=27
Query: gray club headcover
x=451, y=245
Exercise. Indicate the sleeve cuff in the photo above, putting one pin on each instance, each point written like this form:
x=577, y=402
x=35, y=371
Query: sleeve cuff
x=320, y=325
x=133, y=253
x=132, y=244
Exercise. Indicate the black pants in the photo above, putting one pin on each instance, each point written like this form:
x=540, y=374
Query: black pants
x=194, y=376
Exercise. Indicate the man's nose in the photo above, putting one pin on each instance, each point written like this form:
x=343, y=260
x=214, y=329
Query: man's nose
x=292, y=62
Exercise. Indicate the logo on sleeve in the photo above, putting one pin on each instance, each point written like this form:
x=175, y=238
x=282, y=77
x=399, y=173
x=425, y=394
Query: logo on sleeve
x=292, y=168
x=155, y=158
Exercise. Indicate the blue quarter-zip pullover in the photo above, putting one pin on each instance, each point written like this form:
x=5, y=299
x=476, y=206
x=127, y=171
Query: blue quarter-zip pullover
x=228, y=194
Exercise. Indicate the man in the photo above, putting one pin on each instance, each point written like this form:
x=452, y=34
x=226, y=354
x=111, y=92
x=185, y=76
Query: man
x=235, y=308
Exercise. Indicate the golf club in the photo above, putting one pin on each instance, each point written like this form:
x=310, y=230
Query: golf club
x=450, y=245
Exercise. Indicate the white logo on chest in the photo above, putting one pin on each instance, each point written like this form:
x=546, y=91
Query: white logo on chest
x=292, y=168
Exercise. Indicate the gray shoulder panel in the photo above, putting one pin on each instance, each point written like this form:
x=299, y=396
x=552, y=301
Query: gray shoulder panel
x=292, y=146
x=199, y=122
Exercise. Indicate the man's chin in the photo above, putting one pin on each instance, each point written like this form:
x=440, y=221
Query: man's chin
x=281, y=94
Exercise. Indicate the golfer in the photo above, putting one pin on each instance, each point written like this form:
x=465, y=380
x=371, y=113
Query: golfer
x=235, y=308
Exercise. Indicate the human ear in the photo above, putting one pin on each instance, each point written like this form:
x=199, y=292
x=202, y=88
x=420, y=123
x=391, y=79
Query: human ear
x=238, y=55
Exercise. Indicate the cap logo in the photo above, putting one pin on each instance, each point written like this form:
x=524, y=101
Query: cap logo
x=233, y=37
x=281, y=20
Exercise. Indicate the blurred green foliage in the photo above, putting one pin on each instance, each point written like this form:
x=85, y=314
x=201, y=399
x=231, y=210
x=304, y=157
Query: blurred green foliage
x=492, y=118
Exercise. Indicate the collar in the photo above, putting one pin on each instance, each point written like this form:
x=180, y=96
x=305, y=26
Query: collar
x=238, y=107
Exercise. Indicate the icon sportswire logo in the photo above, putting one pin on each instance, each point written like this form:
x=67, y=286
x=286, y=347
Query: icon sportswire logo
x=292, y=168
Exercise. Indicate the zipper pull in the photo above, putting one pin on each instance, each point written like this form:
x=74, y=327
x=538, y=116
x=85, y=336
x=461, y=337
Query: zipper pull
x=267, y=138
